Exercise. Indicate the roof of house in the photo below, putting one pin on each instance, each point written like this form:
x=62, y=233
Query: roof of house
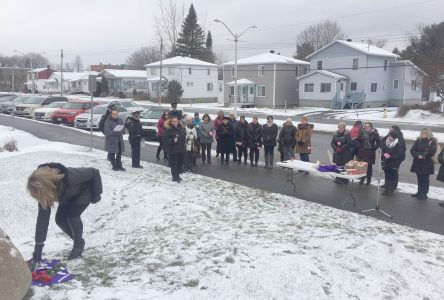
x=126, y=73
x=407, y=63
x=181, y=60
x=324, y=72
x=243, y=81
x=71, y=76
x=268, y=58
x=38, y=70
x=361, y=47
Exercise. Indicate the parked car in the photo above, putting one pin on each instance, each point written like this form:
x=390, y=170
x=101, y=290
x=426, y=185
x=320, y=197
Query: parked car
x=70, y=110
x=5, y=95
x=26, y=109
x=45, y=113
x=149, y=122
x=7, y=103
x=128, y=105
x=84, y=120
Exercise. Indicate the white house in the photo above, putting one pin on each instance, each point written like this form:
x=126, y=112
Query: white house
x=125, y=81
x=351, y=73
x=267, y=80
x=199, y=79
x=36, y=79
x=80, y=83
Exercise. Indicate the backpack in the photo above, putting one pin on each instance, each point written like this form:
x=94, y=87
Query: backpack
x=102, y=123
x=436, y=155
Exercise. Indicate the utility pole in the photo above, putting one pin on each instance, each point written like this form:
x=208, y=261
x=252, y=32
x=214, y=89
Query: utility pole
x=13, y=104
x=160, y=71
x=61, y=72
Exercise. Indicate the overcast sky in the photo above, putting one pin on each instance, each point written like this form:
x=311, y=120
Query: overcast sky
x=108, y=31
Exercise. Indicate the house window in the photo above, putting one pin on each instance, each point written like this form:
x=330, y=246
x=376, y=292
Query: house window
x=220, y=87
x=232, y=72
x=305, y=70
x=353, y=86
x=319, y=64
x=251, y=90
x=209, y=87
x=373, y=87
x=208, y=72
x=325, y=87
x=231, y=90
x=309, y=88
x=189, y=70
x=190, y=83
x=153, y=71
x=260, y=91
x=297, y=71
x=355, y=63
x=260, y=70
x=413, y=85
x=342, y=86
x=385, y=65
x=395, y=84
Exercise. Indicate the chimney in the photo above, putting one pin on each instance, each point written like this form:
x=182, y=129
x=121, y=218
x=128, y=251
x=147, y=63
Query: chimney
x=272, y=51
x=349, y=40
x=279, y=53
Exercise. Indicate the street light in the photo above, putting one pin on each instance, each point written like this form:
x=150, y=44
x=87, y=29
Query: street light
x=30, y=60
x=236, y=40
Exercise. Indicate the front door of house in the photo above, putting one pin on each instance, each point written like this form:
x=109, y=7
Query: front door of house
x=251, y=94
x=341, y=90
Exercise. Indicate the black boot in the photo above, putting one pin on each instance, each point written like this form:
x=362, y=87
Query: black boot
x=369, y=180
x=361, y=182
x=76, y=226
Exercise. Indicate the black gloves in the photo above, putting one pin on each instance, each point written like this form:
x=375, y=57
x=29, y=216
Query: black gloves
x=37, y=255
x=300, y=143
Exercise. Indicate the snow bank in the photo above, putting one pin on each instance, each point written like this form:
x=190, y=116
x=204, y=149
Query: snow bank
x=210, y=239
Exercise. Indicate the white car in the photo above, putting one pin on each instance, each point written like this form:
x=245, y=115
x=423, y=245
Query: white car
x=45, y=113
x=128, y=105
x=149, y=122
x=83, y=121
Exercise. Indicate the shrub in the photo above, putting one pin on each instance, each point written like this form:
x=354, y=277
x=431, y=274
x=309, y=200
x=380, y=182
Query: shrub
x=10, y=145
x=433, y=107
x=142, y=96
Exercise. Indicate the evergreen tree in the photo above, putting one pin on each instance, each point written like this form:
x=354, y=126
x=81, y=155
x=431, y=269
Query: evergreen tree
x=208, y=53
x=175, y=91
x=192, y=38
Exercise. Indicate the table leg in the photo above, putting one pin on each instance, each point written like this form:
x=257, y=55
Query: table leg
x=290, y=179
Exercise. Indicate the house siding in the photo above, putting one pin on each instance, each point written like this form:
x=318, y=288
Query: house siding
x=316, y=98
x=287, y=86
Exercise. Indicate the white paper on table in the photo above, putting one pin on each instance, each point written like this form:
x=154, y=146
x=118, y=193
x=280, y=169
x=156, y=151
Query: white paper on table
x=118, y=128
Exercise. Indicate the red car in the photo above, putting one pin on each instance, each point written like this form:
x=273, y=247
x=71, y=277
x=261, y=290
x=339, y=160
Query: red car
x=70, y=110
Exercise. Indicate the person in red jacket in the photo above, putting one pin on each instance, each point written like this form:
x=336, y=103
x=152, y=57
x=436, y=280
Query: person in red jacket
x=160, y=129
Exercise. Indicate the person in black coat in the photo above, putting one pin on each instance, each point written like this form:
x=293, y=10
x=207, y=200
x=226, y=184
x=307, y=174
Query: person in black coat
x=440, y=176
x=254, y=140
x=174, y=112
x=269, y=135
x=391, y=158
x=225, y=133
x=74, y=189
x=368, y=142
x=135, y=137
x=341, y=144
x=233, y=122
x=287, y=140
x=403, y=145
x=241, y=134
x=174, y=137
x=422, y=151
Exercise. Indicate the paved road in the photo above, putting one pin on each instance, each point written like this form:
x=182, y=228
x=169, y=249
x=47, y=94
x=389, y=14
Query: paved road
x=318, y=117
x=425, y=215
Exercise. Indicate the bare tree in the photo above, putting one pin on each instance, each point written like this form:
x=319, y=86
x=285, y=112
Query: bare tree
x=168, y=22
x=77, y=63
x=24, y=61
x=378, y=43
x=317, y=36
x=145, y=55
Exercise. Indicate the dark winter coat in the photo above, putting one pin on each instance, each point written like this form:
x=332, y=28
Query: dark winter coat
x=303, y=138
x=113, y=138
x=396, y=154
x=169, y=134
x=160, y=127
x=440, y=176
x=233, y=123
x=134, y=129
x=81, y=186
x=226, y=138
x=341, y=144
x=175, y=113
x=368, y=143
x=254, y=135
x=206, y=132
x=287, y=136
x=217, y=122
x=269, y=134
x=426, y=148
x=242, y=135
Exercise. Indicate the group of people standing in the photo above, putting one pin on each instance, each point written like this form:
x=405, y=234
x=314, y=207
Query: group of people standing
x=362, y=142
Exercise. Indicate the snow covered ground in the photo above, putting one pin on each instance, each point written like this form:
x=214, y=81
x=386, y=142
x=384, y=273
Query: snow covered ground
x=150, y=238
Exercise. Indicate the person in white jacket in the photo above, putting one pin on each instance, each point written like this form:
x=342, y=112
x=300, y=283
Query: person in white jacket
x=191, y=136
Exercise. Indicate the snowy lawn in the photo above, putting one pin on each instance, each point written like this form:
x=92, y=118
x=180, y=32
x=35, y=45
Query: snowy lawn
x=150, y=238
